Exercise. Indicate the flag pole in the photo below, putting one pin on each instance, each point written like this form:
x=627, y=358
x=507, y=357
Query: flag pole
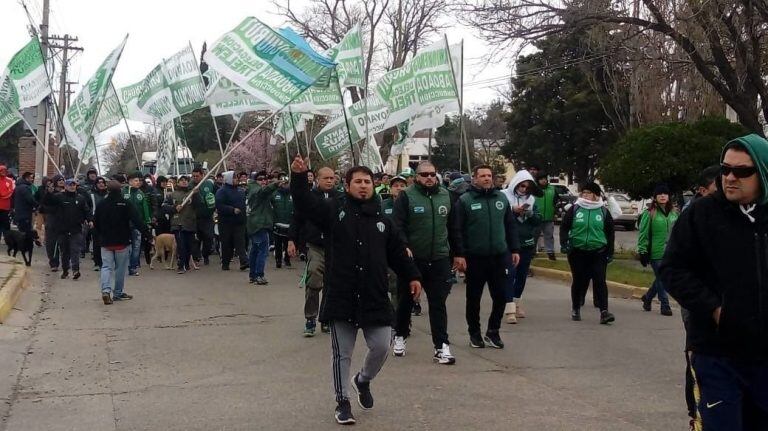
x=459, y=96
x=130, y=135
x=346, y=122
x=213, y=118
x=306, y=140
x=36, y=138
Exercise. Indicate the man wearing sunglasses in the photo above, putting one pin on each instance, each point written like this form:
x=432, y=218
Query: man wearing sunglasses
x=421, y=215
x=716, y=267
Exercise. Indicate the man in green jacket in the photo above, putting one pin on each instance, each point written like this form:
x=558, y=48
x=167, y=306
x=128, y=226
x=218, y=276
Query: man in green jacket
x=421, y=215
x=204, y=244
x=282, y=202
x=546, y=203
x=259, y=222
x=183, y=220
x=133, y=194
x=488, y=237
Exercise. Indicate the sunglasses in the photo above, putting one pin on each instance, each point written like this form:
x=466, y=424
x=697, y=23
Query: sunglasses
x=427, y=174
x=738, y=171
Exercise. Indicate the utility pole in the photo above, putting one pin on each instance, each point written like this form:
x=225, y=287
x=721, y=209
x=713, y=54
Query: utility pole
x=65, y=48
x=42, y=112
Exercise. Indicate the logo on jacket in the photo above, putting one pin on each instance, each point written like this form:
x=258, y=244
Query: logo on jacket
x=380, y=226
x=475, y=207
x=599, y=217
x=579, y=215
x=341, y=215
x=499, y=205
x=442, y=210
x=418, y=210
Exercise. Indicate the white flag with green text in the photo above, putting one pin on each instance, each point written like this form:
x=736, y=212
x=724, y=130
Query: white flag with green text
x=25, y=80
x=81, y=117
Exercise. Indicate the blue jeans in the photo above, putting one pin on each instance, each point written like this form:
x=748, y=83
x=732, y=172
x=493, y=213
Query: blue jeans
x=135, y=262
x=518, y=275
x=733, y=395
x=257, y=257
x=114, y=263
x=657, y=287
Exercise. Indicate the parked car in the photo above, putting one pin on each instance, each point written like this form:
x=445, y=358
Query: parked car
x=630, y=211
x=566, y=199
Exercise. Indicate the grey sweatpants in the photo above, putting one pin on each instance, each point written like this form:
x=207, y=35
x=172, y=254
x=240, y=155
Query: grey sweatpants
x=343, y=337
x=546, y=229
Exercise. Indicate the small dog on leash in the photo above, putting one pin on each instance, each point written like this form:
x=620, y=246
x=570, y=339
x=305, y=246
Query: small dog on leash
x=18, y=241
x=164, y=243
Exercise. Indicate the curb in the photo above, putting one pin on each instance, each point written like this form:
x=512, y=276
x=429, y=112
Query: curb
x=11, y=290
x=614, y=288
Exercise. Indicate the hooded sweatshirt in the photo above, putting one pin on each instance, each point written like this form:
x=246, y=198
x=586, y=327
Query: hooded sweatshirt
x=229, y=198
x=531, y=218
x=717, y=257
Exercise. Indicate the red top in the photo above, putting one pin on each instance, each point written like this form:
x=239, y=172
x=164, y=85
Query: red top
x=6, y=193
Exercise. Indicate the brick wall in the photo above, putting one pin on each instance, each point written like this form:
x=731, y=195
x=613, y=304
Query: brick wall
x=27, y=147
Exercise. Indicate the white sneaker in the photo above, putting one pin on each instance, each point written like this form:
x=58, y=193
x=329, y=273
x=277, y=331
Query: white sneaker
x=399, y=349
x=444, y=356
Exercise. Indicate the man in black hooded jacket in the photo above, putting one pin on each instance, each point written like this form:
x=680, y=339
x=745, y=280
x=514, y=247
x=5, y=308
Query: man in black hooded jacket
x=716, y=267
x=360, y=244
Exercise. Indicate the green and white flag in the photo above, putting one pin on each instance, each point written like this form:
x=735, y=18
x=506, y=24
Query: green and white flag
x=422, y=83
x=333, y=139
x=287, y=123
x=371, y=157
x=25, y=80
x=8, y=117
x=166, y=144
x=348, y=55
x=226, y=98
x=83, y=112
x=173, y=88
x=269, y=65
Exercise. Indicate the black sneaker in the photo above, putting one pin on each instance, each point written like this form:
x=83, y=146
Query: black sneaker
x=576, y=315
x=287, y=263
x=309, y=328
x=416, y=309
x=278, y=264
x=65, y=274
x=76, y=275
x=476, y=341
x=225, y=267
x=364, y=397
x=492, y=339
x=646, y=303
x=243, y=267
x=106, y=298
x=666, y=311
x=606, y=317
x=551, y=256
x=123, y=297
x=343, y=413
x=325, y=328
x=206, y=261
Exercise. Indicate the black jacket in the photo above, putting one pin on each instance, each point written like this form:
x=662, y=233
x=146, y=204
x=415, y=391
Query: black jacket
x=360, y=244
x=114, y=218
x=227, y=199
x=303, y=231
x=23, y=201
x=716, y=257
x=68, y=211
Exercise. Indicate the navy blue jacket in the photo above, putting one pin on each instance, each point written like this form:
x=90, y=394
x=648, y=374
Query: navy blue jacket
x=23, y=201
x=227, y=199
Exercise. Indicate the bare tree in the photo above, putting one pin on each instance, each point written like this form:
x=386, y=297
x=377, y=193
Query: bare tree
x=119, y=156
x=723, y=40
x=410, y=23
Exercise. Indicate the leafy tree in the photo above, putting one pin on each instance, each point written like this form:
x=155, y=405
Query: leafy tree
x=671, y=153
x=557, y=120
x=446, y=151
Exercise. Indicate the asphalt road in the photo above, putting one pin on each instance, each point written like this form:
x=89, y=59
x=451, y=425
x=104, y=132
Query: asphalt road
x=207, y=351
